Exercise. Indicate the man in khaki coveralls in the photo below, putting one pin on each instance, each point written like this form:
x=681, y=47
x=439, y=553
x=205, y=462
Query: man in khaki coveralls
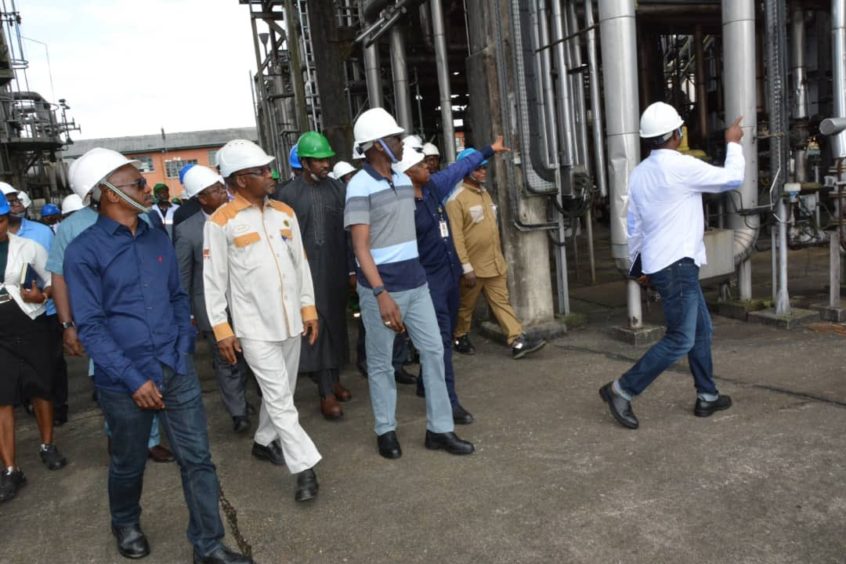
x=472, y=216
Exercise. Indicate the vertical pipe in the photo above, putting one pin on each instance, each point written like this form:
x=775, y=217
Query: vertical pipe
x=565, y=99
x=399, y=70
x=595, y=107
x=797, y=62
x=701, y=92
x=580, y=122
x=373, y=76
x=543, y=76
x=838, y=71
x=740, y=100
x=443, y=79
x=619, y=57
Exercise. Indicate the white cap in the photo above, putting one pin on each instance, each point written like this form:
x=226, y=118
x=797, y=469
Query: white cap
x=341, y=169
x=430, y=150
x=7, y=189
x=26, y=201
x=375, y=124
x=411, y=155
x=198, y=178
x=71, y=203
x=240, y=154
x=86, y=172
x=659, y=119
x=357, y=154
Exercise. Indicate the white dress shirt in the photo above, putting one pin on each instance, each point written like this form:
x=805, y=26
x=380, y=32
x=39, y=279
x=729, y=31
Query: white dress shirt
x=665, y=216
x=255, y=263
x=22, y=252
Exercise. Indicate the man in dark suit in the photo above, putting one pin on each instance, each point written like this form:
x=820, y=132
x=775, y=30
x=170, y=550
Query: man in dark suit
x=206, y=186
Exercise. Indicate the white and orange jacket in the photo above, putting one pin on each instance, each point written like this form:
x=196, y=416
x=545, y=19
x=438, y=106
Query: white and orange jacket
x=254, y=262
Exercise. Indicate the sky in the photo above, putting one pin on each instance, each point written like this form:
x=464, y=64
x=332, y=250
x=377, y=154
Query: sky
x=130, y=67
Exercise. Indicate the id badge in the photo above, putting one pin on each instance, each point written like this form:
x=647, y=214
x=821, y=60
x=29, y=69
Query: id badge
x=444, y=229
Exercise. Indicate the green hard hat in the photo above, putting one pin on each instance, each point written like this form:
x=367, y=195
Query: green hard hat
x=313, y=145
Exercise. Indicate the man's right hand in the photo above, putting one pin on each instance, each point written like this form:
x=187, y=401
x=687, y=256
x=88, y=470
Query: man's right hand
x=228, y=348
x=734, y=133
x=70, y=339
x=469, y=279
x=148, y=396
x=390, y=312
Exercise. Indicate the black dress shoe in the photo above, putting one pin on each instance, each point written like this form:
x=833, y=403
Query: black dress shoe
x=463, y=345
x=461, y=416
x=271, y=453
x=240, y=424
x=449, y=442
x=222, y=555
x=402, y=376
x=131, y=542
x=307, y=485
x=707, y=408
x=620, y=407
x=389, y=446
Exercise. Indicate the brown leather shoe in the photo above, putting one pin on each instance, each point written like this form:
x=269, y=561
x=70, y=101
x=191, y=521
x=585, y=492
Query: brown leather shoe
x=330, y=408
x=160, y=454
x=341, y=393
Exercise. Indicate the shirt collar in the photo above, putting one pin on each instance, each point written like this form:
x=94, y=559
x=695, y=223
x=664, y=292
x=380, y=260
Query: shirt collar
x=241, y=203
x=478, y=189
x=111, y=226
x=377, y=175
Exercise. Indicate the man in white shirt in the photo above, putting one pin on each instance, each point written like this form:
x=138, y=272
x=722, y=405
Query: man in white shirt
x=255, y=267
x=665, y=237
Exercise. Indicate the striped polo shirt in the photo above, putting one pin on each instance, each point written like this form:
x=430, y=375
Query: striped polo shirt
x=387, y=206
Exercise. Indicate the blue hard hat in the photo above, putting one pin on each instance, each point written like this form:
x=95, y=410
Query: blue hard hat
x=50, y=209
x=183, y=170
x=471, y=151
x=294, y=158
x=4, y=205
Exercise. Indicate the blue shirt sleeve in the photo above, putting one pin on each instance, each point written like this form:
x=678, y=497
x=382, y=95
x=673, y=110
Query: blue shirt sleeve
x=444, y=181
x=85, y=288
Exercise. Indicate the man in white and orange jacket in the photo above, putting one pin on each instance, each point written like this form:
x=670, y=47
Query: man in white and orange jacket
x=255, y=265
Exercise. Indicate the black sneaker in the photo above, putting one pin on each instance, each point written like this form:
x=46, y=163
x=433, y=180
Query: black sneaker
x=52, y=458
x=10, y=483
x=464, y=346
x=523, y=345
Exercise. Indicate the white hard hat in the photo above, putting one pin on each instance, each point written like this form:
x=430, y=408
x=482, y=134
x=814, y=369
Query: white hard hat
x=375, y=124
x=659, y=119
x=86, y=172
x=357, y=154
x=26, y=201
x=198, y=178
x=411, y=155
x=71, y=203
x=341, y=169
x=240, y=154
x=430, y=150
x=7, y=189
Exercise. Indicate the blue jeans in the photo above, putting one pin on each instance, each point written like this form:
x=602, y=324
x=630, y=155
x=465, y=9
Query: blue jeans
x=184, y=421
x=688, y=331
x=155, y=436
x=418, y=315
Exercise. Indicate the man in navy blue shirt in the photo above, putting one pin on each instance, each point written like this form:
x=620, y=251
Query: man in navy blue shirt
x=133, y=318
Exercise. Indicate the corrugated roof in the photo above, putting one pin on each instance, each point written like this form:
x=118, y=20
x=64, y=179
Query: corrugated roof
x=152, y=143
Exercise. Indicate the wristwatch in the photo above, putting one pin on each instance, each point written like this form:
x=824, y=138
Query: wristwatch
x=378, y=290
x=67, y=324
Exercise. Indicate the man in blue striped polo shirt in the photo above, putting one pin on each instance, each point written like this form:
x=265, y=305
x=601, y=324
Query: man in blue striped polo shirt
x=392, y=288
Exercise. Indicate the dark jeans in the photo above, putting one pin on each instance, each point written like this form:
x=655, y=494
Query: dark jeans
x=184, y=421
x=445, y=297
x=688, y=331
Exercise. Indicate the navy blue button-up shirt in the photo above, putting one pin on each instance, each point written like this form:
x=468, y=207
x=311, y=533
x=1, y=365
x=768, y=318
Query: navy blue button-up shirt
x=437, y=253
x=131, y=313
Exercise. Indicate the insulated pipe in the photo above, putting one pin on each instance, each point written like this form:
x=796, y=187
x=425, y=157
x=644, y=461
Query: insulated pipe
x=373, y=76
x=797, y=62
x=740, y=100
x=701, y=91
x=565, y=98
x=619, y=57
x=543, y=79
x=442, y=64
x=838, y=72
x=595, y=107
x=571, y=27
x=399, y=70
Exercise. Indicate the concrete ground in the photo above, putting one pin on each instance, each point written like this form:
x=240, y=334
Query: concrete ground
x=554, y=478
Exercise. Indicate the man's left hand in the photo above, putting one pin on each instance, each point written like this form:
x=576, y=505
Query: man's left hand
x=310, y=329
x=33, y=295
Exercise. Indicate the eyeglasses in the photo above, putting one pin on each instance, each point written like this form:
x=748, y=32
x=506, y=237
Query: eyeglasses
x=262, y=171
x=139, y=184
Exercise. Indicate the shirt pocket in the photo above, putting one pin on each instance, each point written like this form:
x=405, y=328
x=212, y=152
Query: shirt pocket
x=477, y=213
x=247, y=239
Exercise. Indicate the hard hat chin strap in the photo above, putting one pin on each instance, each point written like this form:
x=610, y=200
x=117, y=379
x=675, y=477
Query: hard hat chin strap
x=390, y=153
x=123, y=196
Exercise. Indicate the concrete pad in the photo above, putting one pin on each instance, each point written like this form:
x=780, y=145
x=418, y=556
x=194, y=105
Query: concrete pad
x=828, y=313
x=796, y=317
x=639, y=337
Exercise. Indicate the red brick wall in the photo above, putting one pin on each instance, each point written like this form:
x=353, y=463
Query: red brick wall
x=159, y=158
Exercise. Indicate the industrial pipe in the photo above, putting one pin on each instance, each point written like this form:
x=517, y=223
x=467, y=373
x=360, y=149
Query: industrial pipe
x=740, y=100
x=571, y=28
x=619, y=57
x=442, y=65
x=797, y=62
x=399, y=70
x=547, y=124
x=595, y=105
x=565, y=98
x=838, y=72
